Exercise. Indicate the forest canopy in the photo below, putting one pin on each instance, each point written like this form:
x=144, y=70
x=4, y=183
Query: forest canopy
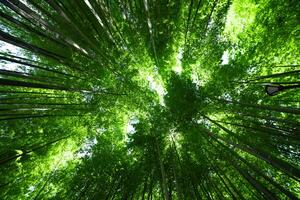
x=149, y=99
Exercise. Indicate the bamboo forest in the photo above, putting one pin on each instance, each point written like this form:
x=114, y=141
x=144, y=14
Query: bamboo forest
x=149, y=99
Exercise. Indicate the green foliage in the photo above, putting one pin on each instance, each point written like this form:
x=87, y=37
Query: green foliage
x=183, y=99
x=149, y=99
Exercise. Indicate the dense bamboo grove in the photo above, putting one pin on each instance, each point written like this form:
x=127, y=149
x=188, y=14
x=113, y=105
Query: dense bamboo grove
x=149, y=99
